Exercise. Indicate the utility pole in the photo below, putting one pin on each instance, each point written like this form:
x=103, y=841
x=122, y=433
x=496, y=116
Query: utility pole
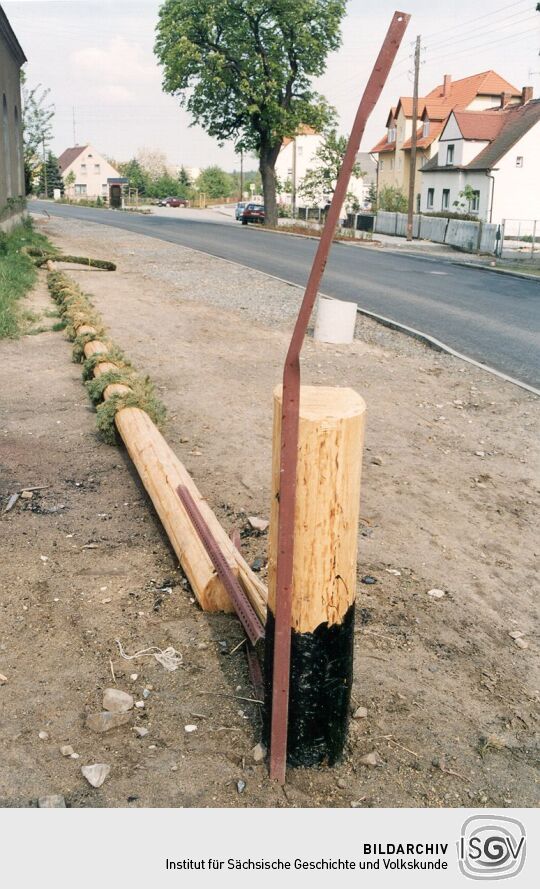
x=241, y=175
x=412, y=170
x=293, y=195
x=45, y=171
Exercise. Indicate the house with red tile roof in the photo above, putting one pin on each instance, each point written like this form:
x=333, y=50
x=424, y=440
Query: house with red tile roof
x=93, y=175
x=475, y=93
x=487, y=164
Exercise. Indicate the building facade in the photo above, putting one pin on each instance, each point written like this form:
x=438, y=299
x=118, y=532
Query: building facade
x=12, y=190
x=298, y=156
x=488, y=164
x=87, y=174
x=477, y=92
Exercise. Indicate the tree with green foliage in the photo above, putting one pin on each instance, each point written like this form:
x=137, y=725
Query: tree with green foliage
x=372, y=196
x=215, y=182
x=466, y=199
x=183, y=177
x=53, y=179
x=243, y=69
x=392, y=199
x=37, y=115
x=164, y=186
x=319, y=183
x=138, y=178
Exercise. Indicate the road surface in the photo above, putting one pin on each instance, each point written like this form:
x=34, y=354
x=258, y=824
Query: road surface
x=490, y=318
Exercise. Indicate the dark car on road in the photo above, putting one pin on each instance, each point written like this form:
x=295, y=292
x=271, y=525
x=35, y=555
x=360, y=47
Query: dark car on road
x=172, y=202
x=252, y=213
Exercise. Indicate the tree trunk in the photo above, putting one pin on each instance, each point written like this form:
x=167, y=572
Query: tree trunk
x=267, y=163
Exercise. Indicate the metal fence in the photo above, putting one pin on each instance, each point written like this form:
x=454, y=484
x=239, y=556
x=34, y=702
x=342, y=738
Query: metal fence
x=520, y=238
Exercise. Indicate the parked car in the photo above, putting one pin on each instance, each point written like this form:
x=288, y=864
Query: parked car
x=239, y=209
x=252, y=213
x=172, y=202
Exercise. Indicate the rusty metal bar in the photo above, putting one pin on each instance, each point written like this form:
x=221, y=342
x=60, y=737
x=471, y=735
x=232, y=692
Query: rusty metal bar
x=243, y=607
x=291, y=407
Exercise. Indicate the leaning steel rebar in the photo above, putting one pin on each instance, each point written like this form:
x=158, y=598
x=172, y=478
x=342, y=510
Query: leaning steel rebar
x=291, y=405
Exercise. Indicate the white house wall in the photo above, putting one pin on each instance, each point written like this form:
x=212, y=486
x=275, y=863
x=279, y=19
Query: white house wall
x=517, y=189
x=96, y=182
x=455, y=181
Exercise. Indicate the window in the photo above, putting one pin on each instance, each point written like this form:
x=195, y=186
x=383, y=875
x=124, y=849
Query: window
x=391, y=163
x=430, y=198
x=519, y=161
x=80, y=189
x=425, y=129
x=83, y=169
x=300, y=150
x=450, y=155
x=445, y=199
x=381, y=164
x=97, y=168
x=105, y=189
x=391, y=134
x=475, y=203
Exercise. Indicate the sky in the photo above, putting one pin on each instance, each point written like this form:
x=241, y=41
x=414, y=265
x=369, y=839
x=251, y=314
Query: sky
x=97, y=59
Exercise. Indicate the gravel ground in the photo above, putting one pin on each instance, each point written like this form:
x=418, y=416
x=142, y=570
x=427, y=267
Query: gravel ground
x=449, y=501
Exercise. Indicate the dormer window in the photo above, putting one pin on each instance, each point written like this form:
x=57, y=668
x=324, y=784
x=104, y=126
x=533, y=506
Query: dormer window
x=391, y=134
x=449, y=155
x=425, y=129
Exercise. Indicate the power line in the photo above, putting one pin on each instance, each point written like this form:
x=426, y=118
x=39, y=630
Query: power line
x=508, y=38
x=477, y=18
x=500, y=27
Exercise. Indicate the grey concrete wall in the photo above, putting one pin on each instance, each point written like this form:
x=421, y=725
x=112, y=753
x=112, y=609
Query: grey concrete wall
x=385, y=223
x=433, y=228
x=11, y=151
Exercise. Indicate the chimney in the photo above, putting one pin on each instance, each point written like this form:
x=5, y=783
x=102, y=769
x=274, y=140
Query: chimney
x=526, y=94
x=447, y=84
x=505, y=99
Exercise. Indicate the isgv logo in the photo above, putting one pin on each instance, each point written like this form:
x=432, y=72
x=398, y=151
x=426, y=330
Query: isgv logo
x=491, y=847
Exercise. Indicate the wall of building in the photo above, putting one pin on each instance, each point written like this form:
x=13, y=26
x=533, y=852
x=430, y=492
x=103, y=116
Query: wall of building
x=11, y=152
x=85, y=167
x=455, y=181
x=517, y=189
x=306, y=148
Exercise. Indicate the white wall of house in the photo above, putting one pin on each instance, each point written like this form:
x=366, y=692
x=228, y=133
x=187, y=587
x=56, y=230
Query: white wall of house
x=306, y=148
x=480, y=103
x=454, y=181
x=91, y=173
x=517, y=187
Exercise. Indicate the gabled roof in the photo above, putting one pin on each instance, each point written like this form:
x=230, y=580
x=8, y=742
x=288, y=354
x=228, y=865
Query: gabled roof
x=69, y=155
x=518, y=121
x=481, y=126
x=435, y=129
x=459, y=94
x=462, y=92
x=383, y=145
x=502, y=128
x=303, y=130
x=7, y=32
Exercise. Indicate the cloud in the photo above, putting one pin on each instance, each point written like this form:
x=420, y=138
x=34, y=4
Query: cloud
x=114, y=94
x=118, y=63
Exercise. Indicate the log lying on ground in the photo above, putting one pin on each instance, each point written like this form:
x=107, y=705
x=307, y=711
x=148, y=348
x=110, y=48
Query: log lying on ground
x=161, y=472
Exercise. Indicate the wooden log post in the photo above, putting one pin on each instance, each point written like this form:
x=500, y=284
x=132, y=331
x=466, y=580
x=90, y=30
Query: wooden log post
x=324, y=577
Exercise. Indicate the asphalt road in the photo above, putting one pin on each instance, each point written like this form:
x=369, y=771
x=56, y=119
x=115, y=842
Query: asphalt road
x=493, y=319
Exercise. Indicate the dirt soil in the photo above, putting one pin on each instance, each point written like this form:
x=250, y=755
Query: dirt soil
x=449, y=501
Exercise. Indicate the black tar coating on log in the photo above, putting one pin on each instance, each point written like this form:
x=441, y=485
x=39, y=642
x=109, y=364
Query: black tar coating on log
x=320, y=691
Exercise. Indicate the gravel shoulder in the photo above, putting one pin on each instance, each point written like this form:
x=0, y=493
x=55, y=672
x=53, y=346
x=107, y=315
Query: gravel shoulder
x=449, y=501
